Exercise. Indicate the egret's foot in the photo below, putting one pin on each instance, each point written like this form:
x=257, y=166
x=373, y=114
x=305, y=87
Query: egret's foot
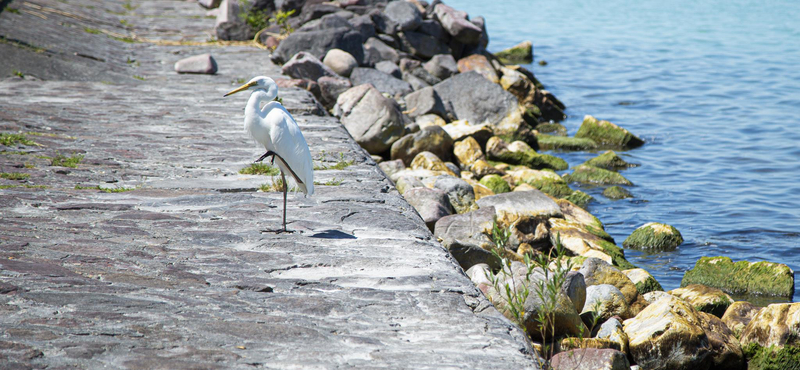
x=265, y=155
x=278, y=231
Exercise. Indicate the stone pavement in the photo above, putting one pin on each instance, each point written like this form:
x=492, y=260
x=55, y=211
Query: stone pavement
x=179, y=272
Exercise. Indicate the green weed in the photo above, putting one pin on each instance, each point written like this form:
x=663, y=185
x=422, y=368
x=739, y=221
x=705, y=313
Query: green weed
x=260, y=169
x=14, y=175
x=13, y=139
x=64, y=161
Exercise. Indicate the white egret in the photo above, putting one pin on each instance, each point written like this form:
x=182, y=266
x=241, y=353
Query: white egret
x=274, y=127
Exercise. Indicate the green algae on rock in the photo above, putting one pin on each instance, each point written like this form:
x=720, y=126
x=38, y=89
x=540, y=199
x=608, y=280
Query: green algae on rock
x=520, y=153
x=772, y=357
x=580, y=198
x=742, y=277
x=607, y=134
x=609, y=160
x=644, y=281
x=552, y=142
x=704, y=298
x=495, y=183
x=547, y=181
x=655, y=236
x=616, y=193
x=553, y=128
x=521, y=53
x=592, y=175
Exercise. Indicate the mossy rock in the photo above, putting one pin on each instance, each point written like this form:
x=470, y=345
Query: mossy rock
x=742, y=277
x=609, y=160
x=564, y=143
x=580, y=198
x=555, y=129
x=521, y=53
x=772, y=357
x=496, y=184
x=617, y=255
x=616, y=193
x=607, y=134
x=654, y=236
x=520, y=153
x=704, y=298
x=592, y=175
x=644, y=281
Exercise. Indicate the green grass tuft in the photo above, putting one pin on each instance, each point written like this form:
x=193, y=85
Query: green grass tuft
x=260, y=169
x=14, y=176
x=64, y=161
x=13, y=139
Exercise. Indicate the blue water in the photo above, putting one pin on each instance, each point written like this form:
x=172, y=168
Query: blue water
x=714, y=89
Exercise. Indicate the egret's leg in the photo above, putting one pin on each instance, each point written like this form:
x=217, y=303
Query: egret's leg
x=285, y=190
x=265, y=155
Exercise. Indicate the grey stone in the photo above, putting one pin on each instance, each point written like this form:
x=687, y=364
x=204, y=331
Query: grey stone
x=590, y=358
x=475, y=99
x=453, y=167
x=319, y=42
x=307, y=66
x=531, y=203
x=463, y=236
x=433, y=28
x=406, y=183
x=609, y=328
x=345, y=14
x=391, y=167
x=229, y=24
x=363, y=24
x=415, y=82
x=404, y=15
x=605, y=301
x=376, y=51
x=340, y=61
x=424, y=101
x=429, y=139
x=456, y=24
x=314, y=11
x=373, y=120
x=575, y=288
x=384, y=82
x=330, y=89
x=389, y=68
x=383, y=25
x=421, y=45
x=202, y=64
x=459, y=193
x=431, y=204
x=442, y=66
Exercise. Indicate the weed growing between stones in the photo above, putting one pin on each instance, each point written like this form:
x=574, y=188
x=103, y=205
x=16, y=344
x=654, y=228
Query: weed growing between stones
x=140, y=78
x=64, y=161
x=276, y=185
x=14, y=175
x=260, y=169
x=14, y=139
x=340, y=165
x=23, y=186
x=255, y=18
x=281, y=19
x=105, y=190
x=331, y=182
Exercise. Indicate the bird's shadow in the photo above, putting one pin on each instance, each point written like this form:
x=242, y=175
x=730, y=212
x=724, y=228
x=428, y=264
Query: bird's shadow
x=332, y=234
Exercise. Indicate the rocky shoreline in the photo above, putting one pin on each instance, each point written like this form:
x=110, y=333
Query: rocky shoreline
x=457, y=129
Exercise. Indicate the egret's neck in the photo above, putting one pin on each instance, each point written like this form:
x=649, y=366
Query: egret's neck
x=257, y=97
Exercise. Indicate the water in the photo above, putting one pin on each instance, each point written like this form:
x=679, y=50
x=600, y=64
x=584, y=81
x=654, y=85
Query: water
x=714, y=89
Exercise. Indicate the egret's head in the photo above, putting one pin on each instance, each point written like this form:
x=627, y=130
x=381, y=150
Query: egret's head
x=259, y=83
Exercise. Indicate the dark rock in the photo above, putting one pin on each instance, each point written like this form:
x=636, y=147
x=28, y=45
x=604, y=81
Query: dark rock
x=404, y=15
x=325, y=23
x=307, y=85
x=456, y=24
x=463, y=236
x=475, y=99
x=383, y=25
x=433, y=28
x=319, y=43
x=345, y=14
x=389, y=68
x=424, y=101
x=330, y=89
x=307, y=66
x=340, y=61
x=431, y=204
x=384, y=82
x=374, y=121
x=429, y=139
x=441, y=66
x=415, y=82
x=363, y=24
x=202, y=64
x=229, y=24
x=459, y=192
x=415, y=68
x=315, y=11
x=389, y=40
x=376, y=51
x=421, y=45
x=483, y=42
x=289, y=5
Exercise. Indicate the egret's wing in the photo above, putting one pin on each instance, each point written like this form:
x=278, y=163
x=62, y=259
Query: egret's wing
x=289, y=143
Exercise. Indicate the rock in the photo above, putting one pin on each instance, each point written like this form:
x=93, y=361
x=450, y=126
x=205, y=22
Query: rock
x=478, y=63
x=230, y=25
x=307, y=66
x=726, y=352
x=612, y=330
x=547, y=181
x=580, y=198
x=431, y=139
x=426, y=120
x=406, y=183
x=442, y=66
x=389, y=40
x=550, y=142
x=592, y=175
x=738, y=315
x=482, y=168
x=202, y=64
x=391, y=167
x=429, y=161
x=376, y=51
x=654, y=236
x=609, y=160
x=330, y=89
x=772, y=358
x=457, y=25
x=328, y=21
x=389, y=68
x=742, y=277
x=315, y=11
x=554, y=128
x=363, y=25
x=591, y=223
x=596, y=271
x=467, y=151
x=565, y=319
x=464, y=235
x=520, y=153
x=703, y=298
x=433, y=28
x=495, y=183
x=431, y=204
x=517, y=130
x=616, y=192
x=459, y=193
x=421, y=45
x=666, y=336
x=524, y=209
x=645, y=283
x=540, y=105
x=453, y=167
x=374, y=121
x=383, y=82
x=521, y=53
x=404, y=15
x=479, y=189
x=340, y=62
x=319, y=42
x=209, y=4
x=607, y=134
x=656, y=295
x=300, y=83
x=424, y=101
x=461, y=129
x=605, y=301
x=574, y=287
x=580, y=241
x=415, y=82
x=590, y=358
x=414, y=68
x=477, y=100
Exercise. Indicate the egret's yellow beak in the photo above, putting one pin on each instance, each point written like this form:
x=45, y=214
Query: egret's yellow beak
x=241, y=88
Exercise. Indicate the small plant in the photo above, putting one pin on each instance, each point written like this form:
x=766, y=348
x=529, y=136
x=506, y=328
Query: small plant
x=129, y=7
x=18, y=74
x=278, y=99
x=105, y=190
x=281, y=19
x=260, y=169
x=23, y=186
x=331, y=182
x=239, y=81
x=255, y=18
x=340, y=165
x=13, y=10
x=13, y=139
x=14, y=175
x=64, y=161
x=93, y=31
x=140, y=78
x=276, y=185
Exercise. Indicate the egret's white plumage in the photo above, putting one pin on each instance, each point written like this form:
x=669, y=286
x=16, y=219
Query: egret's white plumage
x=274, y=127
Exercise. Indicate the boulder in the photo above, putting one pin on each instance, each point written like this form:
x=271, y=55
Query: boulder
x=406, y=183
x=772, y=358
x=482, y=168
x=403, y=14
x=480, y=64
x=590, y=358
x=330, y=88
x=391, y=167
x=704, y=299
x=654, y=236
x=431, y=204
x=433, y=28
x=467, y=151
x=431, y=139
x=565, y=319
x=429, y=161
x=738, y=315
x=616, y=192
x=479, y=189
x=476, y=99
x=312, y=11
x=495, y=183
x=553, y=128
x=645, y=283
x=415, y=82
x=580, y=241
x=613, y=330
x=307, y=66
x=461, y=129
x=579, y=198
x=520, y=153
x=464, y=235
x=374, y=121
x=516, y=130
x=772, y=338
x=563, y=143
x=363, y=25
x=521, y=53
x=726, y=352
x=592, y=175
x=209, y=4
x=319, y=42
x=199, y=64
x=230, y=25
x=424, y=101
x=340, y=62
x=426, y=120
x=666, y=335
x=596, y=271
x=767, y=278
x=547, y=181
x=609, y=160
x=574, y=287
x=389, y=68
x=524, y=210
x=479, y=273
x=605, y=301
x=383, y=82
x=421, y=45
x=442, y=66
x=459, y=193
x=300, y=83
x=540, y=105
x=456, y=24
x=328, y=21
x=607, y=134
x=376, y=50
x=574, y=213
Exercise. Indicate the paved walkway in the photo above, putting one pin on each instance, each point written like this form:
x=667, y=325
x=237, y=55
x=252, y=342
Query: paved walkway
x=179, y=273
